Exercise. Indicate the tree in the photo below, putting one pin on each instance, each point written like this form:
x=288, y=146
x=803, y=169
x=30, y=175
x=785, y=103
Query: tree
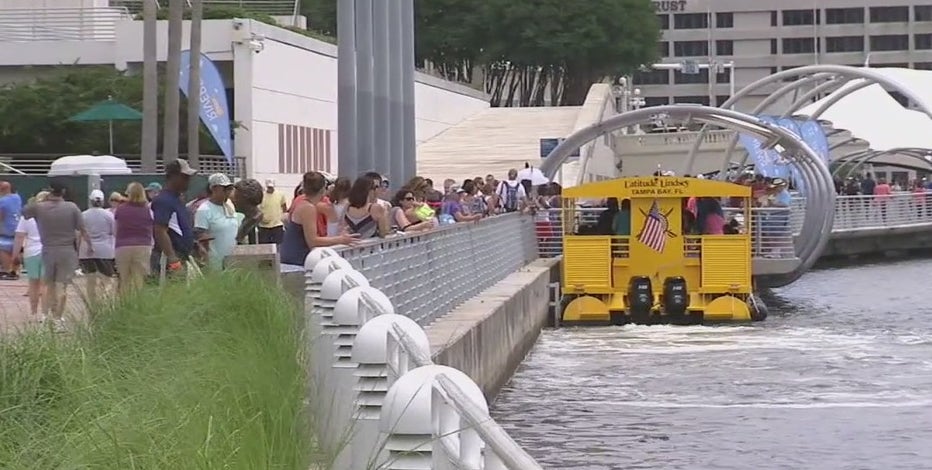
x=531, y=52
x=34, y=115
x=564, y=45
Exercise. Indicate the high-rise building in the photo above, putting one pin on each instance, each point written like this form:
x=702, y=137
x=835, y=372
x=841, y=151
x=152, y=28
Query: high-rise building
x=762, y=38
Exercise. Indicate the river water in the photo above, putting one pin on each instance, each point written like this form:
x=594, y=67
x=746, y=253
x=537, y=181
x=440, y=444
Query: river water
x=839, y=377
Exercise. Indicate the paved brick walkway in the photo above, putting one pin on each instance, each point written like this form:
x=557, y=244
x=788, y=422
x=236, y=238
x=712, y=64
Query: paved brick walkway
x=14, y=305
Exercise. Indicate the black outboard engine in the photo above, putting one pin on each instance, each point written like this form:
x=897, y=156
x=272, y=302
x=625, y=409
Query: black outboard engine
x=640, y=296
x=675, y=296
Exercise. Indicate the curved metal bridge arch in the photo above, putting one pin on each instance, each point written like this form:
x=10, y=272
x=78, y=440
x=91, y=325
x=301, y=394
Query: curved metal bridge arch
x=853, y=161
x=819, y=207
x=832, y=77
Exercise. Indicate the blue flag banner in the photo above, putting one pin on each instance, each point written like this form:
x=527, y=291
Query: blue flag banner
x=214, y=110
x=813, y=134
x=791, y=171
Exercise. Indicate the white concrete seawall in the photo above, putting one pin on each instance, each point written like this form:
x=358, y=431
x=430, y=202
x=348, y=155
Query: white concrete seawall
x=488, y=336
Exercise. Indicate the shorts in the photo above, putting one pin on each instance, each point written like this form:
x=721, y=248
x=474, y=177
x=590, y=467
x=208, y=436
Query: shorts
x=98, y=265
x=33, y=266
x=59, y=264
x=6, y=243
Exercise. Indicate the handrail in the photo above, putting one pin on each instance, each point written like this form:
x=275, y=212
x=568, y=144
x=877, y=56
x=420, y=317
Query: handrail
x=490, y=432
x=57, y=24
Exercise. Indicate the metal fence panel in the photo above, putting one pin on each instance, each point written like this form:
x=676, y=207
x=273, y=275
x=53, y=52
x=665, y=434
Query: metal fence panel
x=428, y=275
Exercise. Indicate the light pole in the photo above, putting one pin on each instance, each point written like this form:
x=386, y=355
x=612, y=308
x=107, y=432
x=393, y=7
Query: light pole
x=711, y=66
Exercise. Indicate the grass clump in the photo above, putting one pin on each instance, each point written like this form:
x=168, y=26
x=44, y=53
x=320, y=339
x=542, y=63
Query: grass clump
x=206, y=376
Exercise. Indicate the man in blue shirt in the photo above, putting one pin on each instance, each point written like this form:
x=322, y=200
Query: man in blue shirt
x=10, y=208
x=174, y=229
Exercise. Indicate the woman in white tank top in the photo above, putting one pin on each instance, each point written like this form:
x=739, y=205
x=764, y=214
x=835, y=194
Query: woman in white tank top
x=338, y=199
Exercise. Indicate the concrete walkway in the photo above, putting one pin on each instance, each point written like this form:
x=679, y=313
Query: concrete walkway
x=14, y=305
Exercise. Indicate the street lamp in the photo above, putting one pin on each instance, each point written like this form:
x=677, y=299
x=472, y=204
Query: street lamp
x=691, y=67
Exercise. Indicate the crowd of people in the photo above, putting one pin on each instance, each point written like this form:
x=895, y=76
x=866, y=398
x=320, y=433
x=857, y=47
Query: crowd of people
x=151, y=231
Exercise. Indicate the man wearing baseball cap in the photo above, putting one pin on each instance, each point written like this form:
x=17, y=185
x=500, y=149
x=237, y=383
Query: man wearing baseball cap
x=216, y=222
x=174, y=229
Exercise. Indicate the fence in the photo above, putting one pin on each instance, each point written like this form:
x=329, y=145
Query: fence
x=381, y=402
x=429, y=274
x=772, y=235
x=39, y=164
x=60, y=24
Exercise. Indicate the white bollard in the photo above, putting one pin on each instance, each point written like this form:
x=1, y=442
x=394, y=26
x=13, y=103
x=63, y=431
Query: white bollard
x=413, y=416
x=371, y=354
x=327, y=392
x=353, y=309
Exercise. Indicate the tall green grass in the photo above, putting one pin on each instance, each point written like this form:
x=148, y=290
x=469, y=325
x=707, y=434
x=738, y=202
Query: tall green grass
x=206, y=376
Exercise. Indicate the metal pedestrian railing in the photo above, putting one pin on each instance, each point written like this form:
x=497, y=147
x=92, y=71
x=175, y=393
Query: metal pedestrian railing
x=381, y=401
x=40, y=164
x=60, y=24
x=429, y=274
x=864, y=213
x=772, y=235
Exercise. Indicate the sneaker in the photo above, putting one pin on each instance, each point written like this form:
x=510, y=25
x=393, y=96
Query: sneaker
x=58, y=325
x=41, y=318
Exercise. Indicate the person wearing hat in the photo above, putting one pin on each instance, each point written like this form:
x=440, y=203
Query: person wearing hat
x=97, y=257
x=173, y=227
x=152, y=190
x=216, y=222
x=58, y=221
x=273, y=207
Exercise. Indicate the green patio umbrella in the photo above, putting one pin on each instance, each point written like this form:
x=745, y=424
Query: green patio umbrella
x=109, y=111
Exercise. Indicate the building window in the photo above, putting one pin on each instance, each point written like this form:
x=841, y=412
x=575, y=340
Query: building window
x=656, y=101
x=652, y=77
x=923, y=66
x=664, y=21
x=663, y=49
x=889, y=14
x=890, y=42
x=799, y=17
x=774, y=70
x=923, y=12
x=773, y=46
x=724, y=47
x=681, y=78
x=844, y=16
x=844, y=44
x=798, y=46
x=900, y=65
x=721, y=99
x=690, y=21
x=725, y=20
x=922, y=41
x=790, y=78
x=690, y=48
x=703, y=100
x=773, y=18
x=723, y=77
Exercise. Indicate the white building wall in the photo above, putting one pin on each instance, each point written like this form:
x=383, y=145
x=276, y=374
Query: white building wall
x=293, y=119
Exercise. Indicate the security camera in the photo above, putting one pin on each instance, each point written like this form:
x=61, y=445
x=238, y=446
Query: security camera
x=256, y=46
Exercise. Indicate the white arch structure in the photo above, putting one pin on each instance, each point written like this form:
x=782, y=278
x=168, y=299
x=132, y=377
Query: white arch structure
x=848, y=80
x=819, y=215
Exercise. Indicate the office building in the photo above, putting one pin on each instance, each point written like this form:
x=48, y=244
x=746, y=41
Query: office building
x=762, y=38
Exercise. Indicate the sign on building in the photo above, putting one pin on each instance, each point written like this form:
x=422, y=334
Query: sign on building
x=547, y=146
x=667, y=6
x=689, y=67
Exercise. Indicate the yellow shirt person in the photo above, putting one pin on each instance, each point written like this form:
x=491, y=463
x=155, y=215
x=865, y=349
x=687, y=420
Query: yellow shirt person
x=271, y=229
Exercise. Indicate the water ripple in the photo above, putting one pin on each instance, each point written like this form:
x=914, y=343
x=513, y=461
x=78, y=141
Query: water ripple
x=840, y=377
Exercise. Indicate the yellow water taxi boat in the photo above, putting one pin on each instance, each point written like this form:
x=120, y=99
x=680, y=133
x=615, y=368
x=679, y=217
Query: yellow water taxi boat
x=657, y=250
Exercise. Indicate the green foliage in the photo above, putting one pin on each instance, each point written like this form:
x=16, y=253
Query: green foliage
x=210, y=375
x=526, y=45
x=34, y=115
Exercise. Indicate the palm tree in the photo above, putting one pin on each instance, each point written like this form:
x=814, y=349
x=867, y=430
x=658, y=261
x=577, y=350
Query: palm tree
x=150, y=97
x=172, y=71
x=194, y=83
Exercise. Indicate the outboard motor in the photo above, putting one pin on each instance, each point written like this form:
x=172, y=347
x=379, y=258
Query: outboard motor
x=675, y=296
x=640, y=295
